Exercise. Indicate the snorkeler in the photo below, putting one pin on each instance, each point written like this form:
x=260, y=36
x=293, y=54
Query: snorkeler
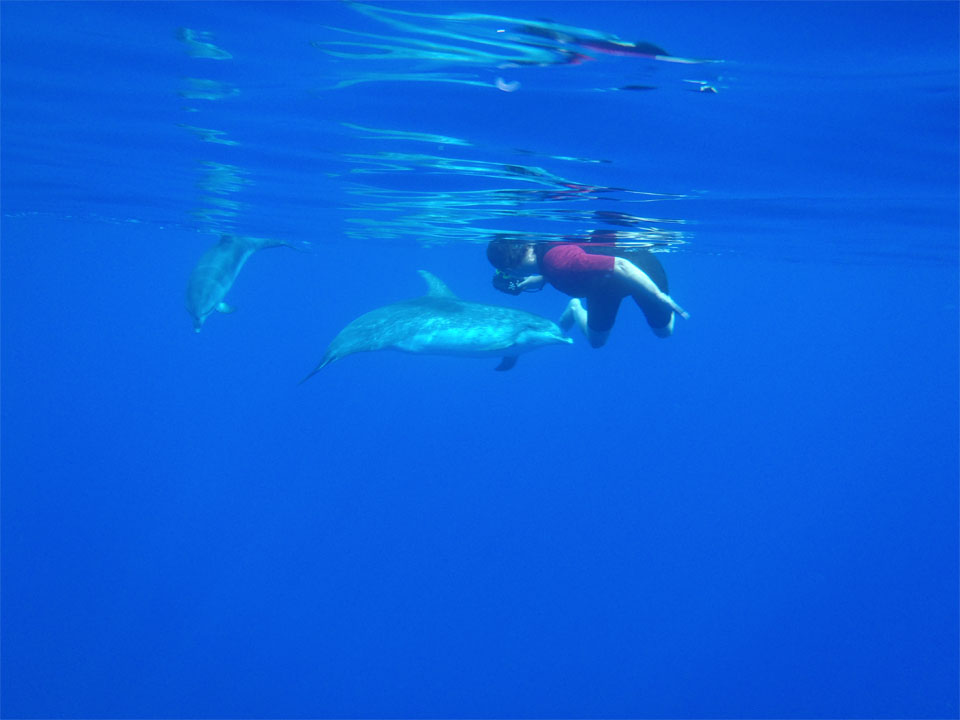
x=603, y=279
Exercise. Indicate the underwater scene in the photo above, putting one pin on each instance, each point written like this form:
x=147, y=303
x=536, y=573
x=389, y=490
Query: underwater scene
x=479, y=359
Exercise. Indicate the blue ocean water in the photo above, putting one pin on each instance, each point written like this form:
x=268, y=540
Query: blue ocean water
x=757, y=517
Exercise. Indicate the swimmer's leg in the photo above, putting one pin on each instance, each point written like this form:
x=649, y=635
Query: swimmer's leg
x=657, y=306
x=640, y=284
x=601, y=314
x=574, y=314
x=659, y=317
x=597, y=338
x=661, y=331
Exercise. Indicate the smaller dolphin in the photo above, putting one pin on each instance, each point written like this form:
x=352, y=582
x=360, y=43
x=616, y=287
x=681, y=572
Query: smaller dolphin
x=216, y=272
x=440, y=323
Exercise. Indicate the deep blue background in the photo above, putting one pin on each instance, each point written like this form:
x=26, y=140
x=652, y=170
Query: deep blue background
x=756, y=518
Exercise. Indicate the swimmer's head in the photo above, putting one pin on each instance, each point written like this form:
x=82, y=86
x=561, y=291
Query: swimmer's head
x=506, y=254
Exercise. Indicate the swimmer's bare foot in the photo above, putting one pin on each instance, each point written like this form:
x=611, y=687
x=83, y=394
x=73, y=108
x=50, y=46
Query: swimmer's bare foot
x=569, y=317
x=673, y=306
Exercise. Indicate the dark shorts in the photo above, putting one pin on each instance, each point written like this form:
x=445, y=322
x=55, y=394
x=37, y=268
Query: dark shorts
x=602, y=311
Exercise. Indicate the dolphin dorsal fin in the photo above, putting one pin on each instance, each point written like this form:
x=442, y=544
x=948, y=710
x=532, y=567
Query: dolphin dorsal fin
x=435, y=286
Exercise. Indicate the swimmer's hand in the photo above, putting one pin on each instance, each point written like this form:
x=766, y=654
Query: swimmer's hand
x=512, y=286
x=531, y=283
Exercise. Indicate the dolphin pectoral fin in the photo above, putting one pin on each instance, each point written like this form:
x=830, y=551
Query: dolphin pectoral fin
x=222, y=307
x=508, y=362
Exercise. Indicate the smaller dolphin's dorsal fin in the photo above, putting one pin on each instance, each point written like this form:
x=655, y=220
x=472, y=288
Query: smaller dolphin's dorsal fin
x=435, y=286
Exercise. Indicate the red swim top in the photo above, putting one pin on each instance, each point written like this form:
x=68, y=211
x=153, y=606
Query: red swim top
x=575, y=272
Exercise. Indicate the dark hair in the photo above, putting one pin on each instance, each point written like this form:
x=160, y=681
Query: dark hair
x=505, y=254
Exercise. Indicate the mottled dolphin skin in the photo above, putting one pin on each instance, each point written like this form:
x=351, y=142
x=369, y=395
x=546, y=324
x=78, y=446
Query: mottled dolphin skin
x=440, y=323
x=216, y=271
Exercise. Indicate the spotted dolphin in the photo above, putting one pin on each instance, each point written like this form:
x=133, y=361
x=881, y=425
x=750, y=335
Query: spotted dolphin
x=216, y=271
x=440, y=323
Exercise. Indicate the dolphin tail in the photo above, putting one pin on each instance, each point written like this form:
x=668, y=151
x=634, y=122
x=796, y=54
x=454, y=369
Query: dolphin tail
x=327, y=359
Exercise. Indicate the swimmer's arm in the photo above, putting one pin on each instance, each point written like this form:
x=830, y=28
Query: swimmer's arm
x=533, y=282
